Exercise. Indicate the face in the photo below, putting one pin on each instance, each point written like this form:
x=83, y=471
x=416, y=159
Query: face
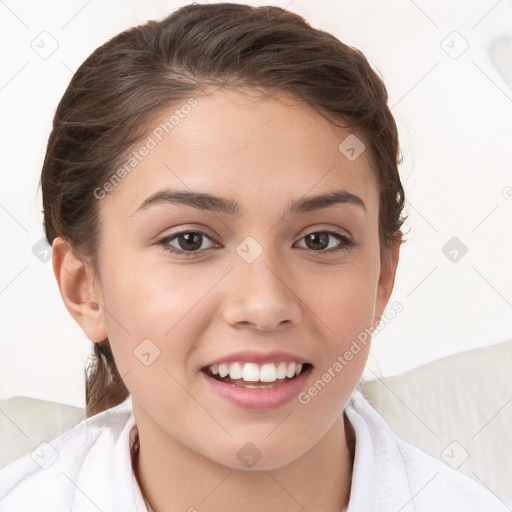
x=194, y=287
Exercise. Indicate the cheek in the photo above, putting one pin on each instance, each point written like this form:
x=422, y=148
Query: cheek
x=347, y=301
x=346, y=350
x=161, y=306
x=347, y=312
x=346, y=315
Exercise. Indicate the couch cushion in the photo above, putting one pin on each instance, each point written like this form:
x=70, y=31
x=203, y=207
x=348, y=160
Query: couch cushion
x=27, y=422
x=458, y=409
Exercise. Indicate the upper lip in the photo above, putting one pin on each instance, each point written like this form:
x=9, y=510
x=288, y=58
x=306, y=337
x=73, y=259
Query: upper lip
x=252, y=356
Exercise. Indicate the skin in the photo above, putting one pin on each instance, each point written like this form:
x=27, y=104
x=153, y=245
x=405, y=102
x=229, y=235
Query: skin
x=263, y=153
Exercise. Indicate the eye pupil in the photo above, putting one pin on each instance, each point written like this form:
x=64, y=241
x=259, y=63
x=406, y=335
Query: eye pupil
x=196, y=243
x=323, y=238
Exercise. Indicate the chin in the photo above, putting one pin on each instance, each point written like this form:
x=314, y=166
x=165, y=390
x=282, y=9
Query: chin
x=258, y=456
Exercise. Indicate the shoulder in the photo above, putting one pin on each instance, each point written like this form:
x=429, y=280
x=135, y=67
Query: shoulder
x=404, y=477
x=72, y=468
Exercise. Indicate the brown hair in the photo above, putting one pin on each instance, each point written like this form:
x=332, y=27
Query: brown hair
x=120, y=88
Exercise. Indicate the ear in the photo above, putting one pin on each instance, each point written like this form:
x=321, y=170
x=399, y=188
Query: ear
x=80, y=292
x=387, y=276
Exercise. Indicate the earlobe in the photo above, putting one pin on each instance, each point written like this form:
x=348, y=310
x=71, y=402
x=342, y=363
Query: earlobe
x=81, y=296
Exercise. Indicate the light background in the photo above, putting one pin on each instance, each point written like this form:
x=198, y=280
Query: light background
x=455, y=123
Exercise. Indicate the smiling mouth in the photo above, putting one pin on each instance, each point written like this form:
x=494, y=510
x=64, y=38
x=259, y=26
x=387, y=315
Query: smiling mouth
x=251, y=375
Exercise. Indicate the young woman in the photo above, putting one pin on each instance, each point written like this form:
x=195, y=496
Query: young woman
x=222, y=196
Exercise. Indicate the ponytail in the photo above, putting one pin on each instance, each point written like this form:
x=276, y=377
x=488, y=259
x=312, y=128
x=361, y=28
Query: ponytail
x=104, y=387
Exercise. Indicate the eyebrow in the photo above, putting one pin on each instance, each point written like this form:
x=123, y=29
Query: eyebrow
x=209, y=202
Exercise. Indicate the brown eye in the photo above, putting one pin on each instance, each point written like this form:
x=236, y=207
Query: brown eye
x=185, y=242
x=190, y=241
x=318, y=241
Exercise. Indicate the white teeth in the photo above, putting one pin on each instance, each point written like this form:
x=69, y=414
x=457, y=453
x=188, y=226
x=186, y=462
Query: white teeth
x=223, y=370
x=281, y=371
x=236, y=371
x=268, y=373
x=252, y=372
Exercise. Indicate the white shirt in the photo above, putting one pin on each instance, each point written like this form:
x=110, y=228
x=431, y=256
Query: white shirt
x=89, y=469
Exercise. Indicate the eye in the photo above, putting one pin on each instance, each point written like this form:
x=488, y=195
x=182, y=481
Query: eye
x=318, y=241
x=189, y=242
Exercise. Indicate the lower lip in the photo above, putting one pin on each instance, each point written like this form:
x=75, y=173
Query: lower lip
x=261, y=399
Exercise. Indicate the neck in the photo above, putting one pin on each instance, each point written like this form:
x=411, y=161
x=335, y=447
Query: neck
x=172, y=477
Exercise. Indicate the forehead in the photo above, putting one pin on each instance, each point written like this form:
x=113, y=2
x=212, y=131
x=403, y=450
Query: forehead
x=237, y=143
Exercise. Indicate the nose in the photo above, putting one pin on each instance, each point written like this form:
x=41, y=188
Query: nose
x=261, y=295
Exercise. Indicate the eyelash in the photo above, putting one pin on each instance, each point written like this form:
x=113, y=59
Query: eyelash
x=346, y=244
